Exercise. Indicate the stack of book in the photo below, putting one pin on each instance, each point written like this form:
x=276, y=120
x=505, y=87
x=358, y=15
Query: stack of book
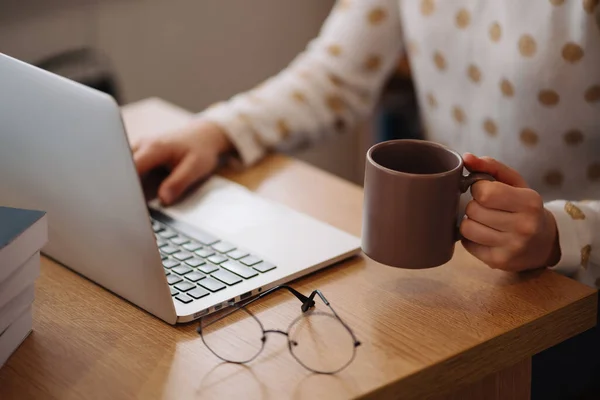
x=23, y=233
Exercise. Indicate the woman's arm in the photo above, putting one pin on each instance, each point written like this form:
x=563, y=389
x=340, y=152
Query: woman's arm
x=329, y=87
x=578, y=226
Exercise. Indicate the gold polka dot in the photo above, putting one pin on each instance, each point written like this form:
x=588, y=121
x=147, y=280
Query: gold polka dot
x=507, y=88
x=372, y=63
x=413, y=48
x=335, y=103
x=572, y=52
x=299, y=96
x=427, y=7
x=283, y=128
x=459, y=115
x=334, y=49
x=439, y=60
x=474, y=73
x=528, y=137
x=548, y=97
x=573, y=137
x=431, y=100
x=574, y=211
x=527, y=46
x=495, y=32
x=585, y=255
x=590, y=5
x=336, y=80
x=463, y=18
x=593, y=172
x=592, y=94
x=343, y=4
x=304, y=74
x=557, y=2
x=490, y=127
x=245, y=118
x=376, y=16
x=554, y=178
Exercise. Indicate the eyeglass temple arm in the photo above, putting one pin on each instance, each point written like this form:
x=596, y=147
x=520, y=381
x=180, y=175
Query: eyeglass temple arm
x=297, y=294
x=306, y=306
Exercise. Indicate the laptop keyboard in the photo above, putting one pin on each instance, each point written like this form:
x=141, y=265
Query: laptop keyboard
x=197, y=264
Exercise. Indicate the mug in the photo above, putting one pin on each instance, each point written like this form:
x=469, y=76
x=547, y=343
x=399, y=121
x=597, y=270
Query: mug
x=412, y=190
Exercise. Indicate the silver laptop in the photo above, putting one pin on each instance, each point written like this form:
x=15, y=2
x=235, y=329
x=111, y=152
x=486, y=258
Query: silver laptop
x=63, y=149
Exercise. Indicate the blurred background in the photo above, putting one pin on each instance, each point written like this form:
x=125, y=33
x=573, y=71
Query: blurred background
x=193, y=53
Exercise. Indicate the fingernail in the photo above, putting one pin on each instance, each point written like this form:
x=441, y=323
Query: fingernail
x=167, y=197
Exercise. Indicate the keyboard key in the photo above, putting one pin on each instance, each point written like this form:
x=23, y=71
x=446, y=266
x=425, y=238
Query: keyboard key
x=182, y=270
x=168, y=250
x=195, y=262
x=217, y=259
x=237, y=254
x=156, y=226
x=205, y=252
x=179, y=240
x=183, y=255
x=170, y=264
x=173, y=279
x=239, y=269
x=185, y=299
x=205, y=238
x=263, y=266
x=167, y=272
x=192, y=246
x=163, y=257
x=198, y=293
x=167, y=234
x=226, y=277
x=195, y=276
x=208, y=268
x=161, y=243
x=184, y=286
x=174, y=292
x=211, y=284
x=250, y=260
x=223, y=247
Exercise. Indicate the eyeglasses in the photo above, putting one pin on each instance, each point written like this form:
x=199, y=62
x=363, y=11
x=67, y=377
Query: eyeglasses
x=320, y=341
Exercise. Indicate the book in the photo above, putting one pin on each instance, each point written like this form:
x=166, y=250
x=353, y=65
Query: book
x=12, y=337
x=22, y=234
x=14, y=308
x=16, y=282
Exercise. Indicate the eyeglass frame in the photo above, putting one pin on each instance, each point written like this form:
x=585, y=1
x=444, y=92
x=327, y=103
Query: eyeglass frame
x=308, y=303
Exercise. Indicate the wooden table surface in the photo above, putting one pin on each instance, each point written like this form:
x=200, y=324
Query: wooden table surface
x=457, y=331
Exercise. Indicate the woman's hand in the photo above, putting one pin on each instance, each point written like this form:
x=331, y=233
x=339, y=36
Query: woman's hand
x=507, y=226
x=190, y=153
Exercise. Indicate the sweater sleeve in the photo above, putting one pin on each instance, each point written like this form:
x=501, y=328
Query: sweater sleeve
x=326, y=89
x=579, y=234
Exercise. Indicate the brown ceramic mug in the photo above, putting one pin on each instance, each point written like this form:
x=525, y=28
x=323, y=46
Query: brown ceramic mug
x=412, y=190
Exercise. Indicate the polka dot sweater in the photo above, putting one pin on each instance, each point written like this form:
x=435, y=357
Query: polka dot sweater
x=515, y=80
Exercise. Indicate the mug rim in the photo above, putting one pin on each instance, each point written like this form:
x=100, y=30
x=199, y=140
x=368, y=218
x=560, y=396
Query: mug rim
x=420, y=142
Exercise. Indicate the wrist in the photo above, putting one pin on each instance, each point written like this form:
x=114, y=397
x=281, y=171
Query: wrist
x=552, y=239
x=216, y=136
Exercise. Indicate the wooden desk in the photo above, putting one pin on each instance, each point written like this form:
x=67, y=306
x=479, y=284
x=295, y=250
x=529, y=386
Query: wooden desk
x=459, y=331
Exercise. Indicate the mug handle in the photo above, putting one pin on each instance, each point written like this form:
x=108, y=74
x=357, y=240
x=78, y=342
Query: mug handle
x=466, y=181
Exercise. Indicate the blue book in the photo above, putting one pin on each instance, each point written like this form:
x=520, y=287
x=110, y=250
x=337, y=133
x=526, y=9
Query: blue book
x=22, y=234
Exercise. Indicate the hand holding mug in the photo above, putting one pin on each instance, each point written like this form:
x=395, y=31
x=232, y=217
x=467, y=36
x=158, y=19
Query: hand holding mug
x=506, y=224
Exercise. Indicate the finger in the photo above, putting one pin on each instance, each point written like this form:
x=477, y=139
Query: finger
x=502, y=221
x=481, y=234
x=498, y=170
x=185, y=174
x=500, y=196
x=147, y=158
x=482, y=253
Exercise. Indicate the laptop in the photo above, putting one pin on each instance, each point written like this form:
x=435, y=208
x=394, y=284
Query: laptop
x=64, y=150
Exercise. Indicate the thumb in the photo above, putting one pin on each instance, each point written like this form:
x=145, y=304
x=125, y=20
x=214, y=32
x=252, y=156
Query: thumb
x=499, y=171
x=185, y=173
